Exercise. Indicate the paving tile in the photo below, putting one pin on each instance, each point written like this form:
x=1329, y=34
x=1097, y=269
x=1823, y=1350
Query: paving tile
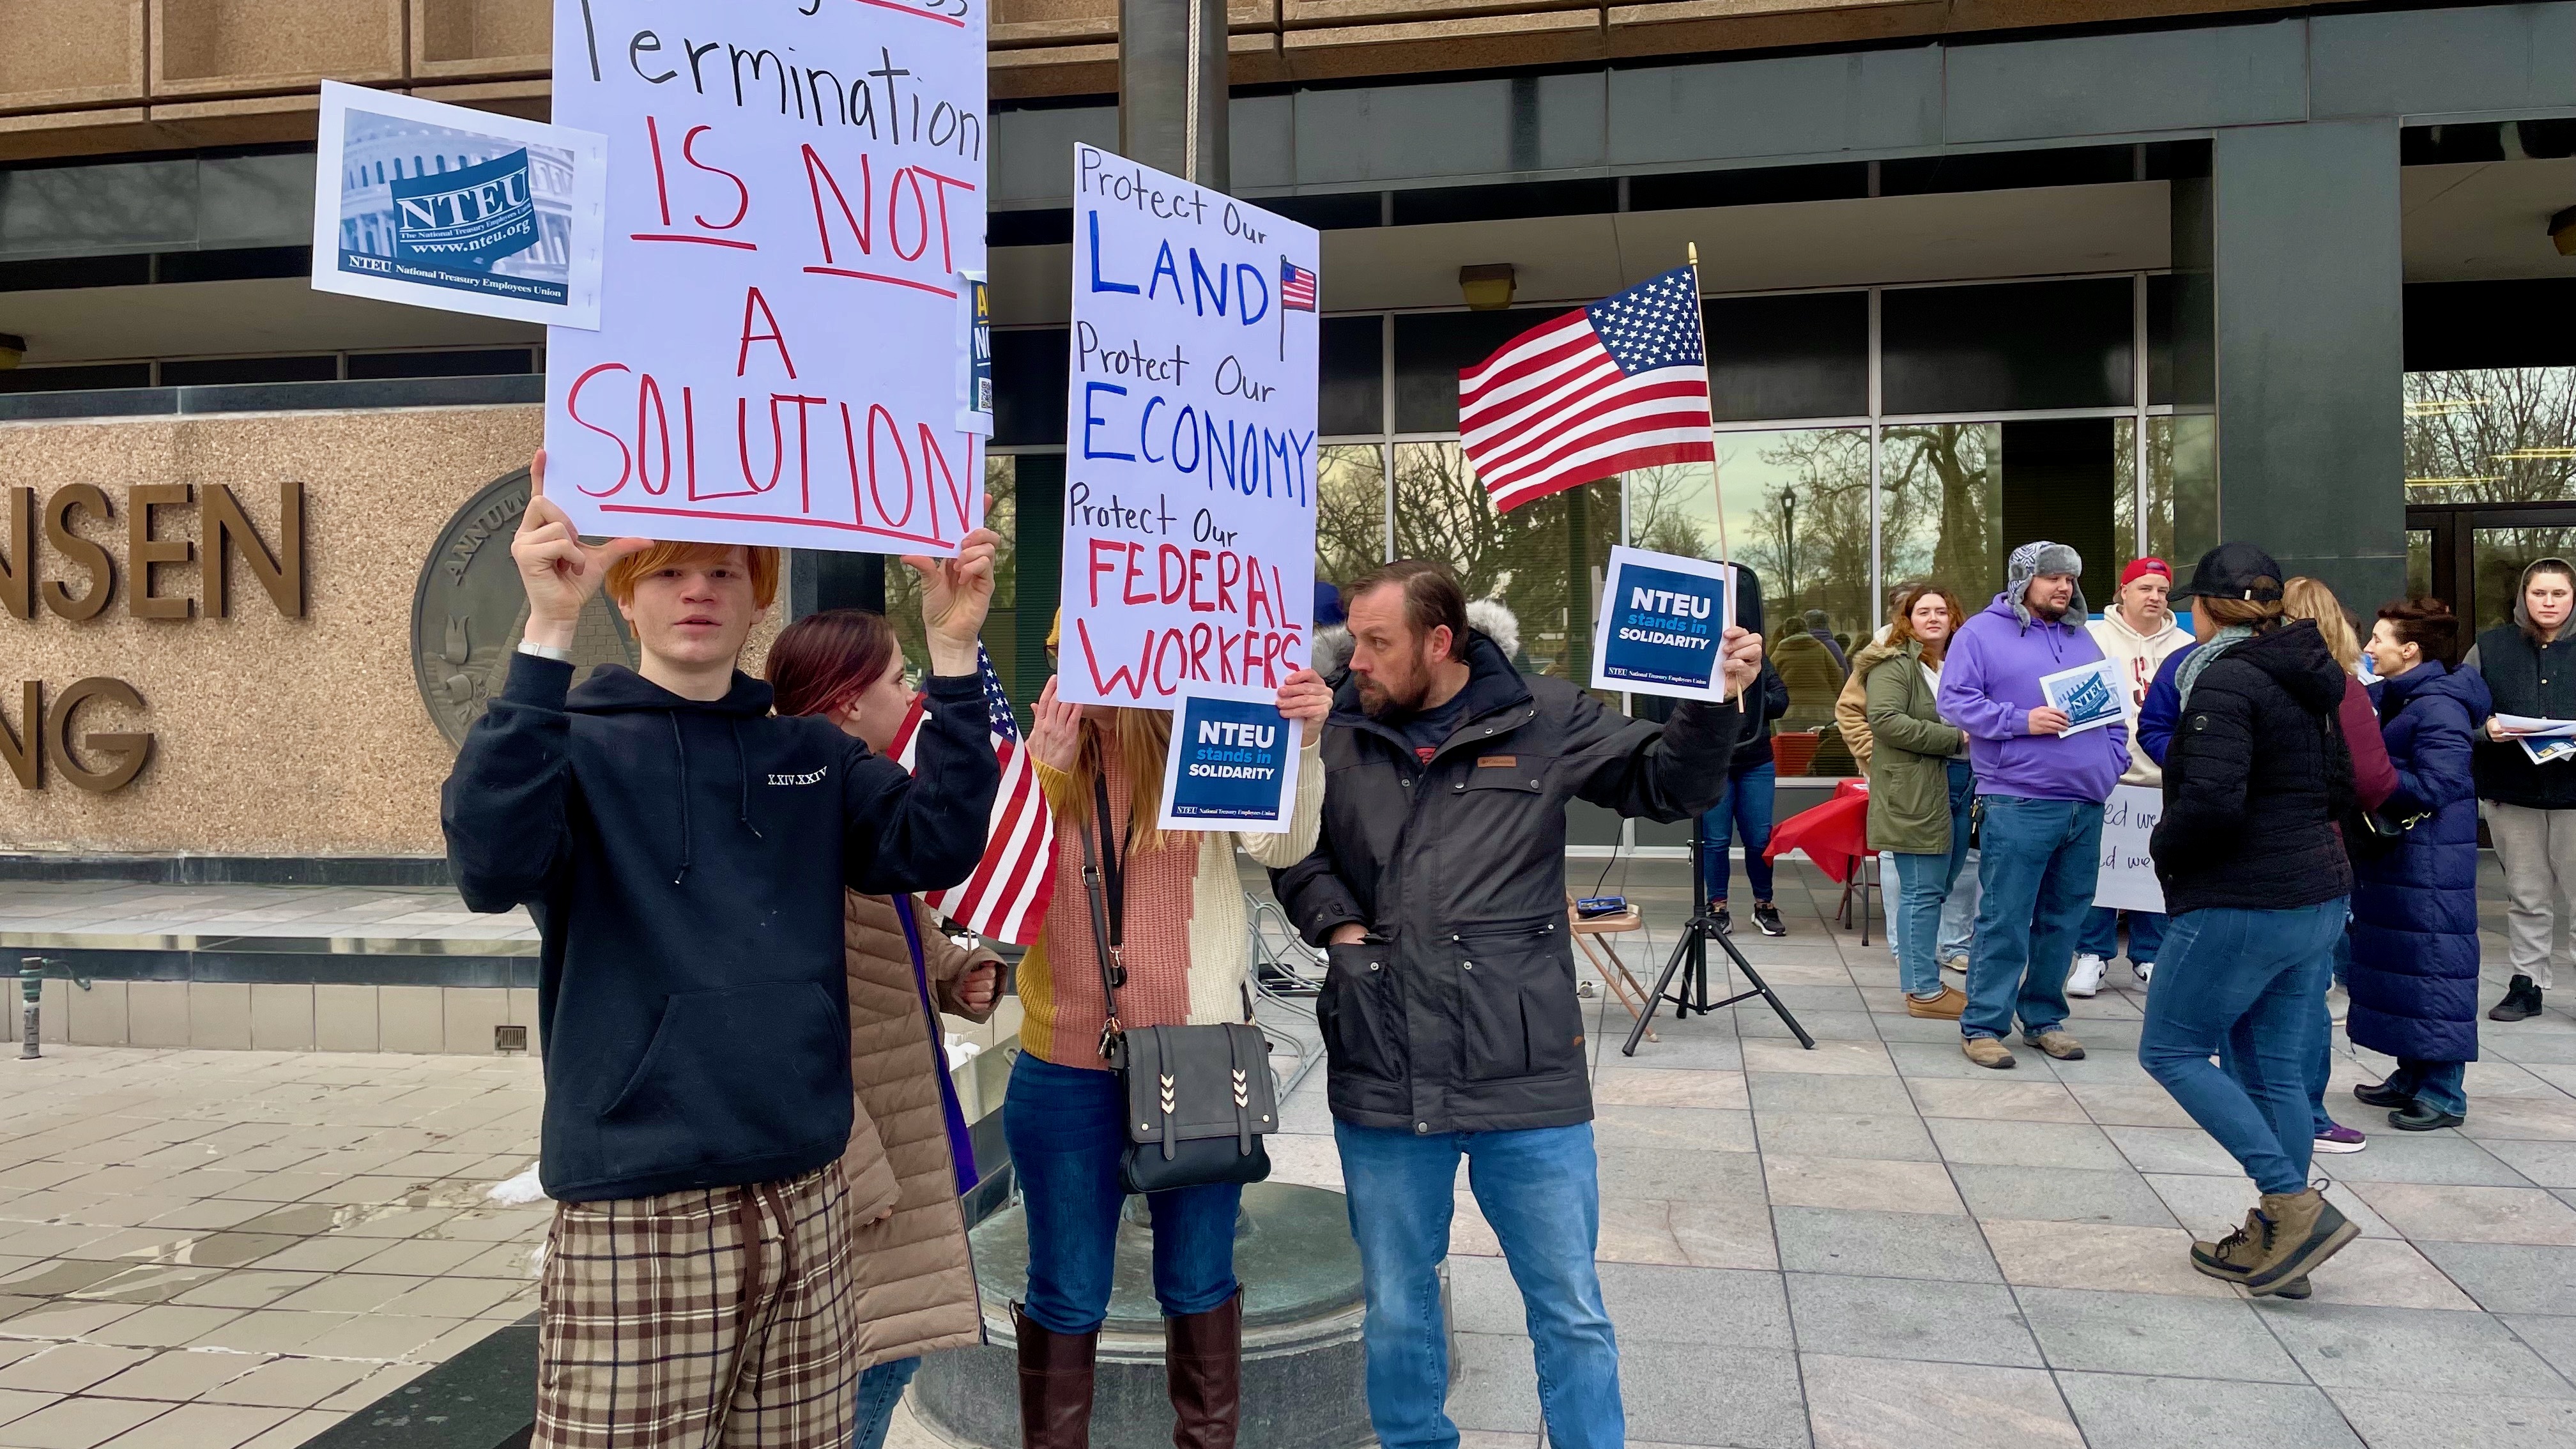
x=2106, y=1256
x=376, y=1385
x=1713, y=1307
x=1834, y=1058
x=19, y=1403
x=2155, y=1334
x=291, y=1383
x=1883, y=1244
x=2388, y=1273
x=1873, y=1403
x=69, y=1368
x=2122, y=1411
x=1818, y=1092
x=1910, y=1318
x=2173, y=1149
x=2210, y=1206
x=1860, y=1183
x=165, y=1326
x=2509, y=1278
x=2060, y=1194
x=294, y=1431
x=2342, y=1346
x=246, y=1288
x=200, y=1426
x=1493, y=1385
x=1721, y=1235
x=2407, y=1419
x=2439, y=1158
x=79, y=1423
x=1893, y=1136
x=177, y=1374
x=2543, y=1164
x=1637, y=1172
x=2473, y=1214
x=2530, y=1118
x=272, y=1330
x=1672, y=1397
x=2017, y=1101
x=2024, y=1144
x=1916, y=1060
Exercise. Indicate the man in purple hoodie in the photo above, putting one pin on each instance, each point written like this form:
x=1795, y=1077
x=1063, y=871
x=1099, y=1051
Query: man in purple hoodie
x=2040, y=792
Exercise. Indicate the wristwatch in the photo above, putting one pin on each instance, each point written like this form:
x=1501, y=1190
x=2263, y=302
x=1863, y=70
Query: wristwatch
x=545, y=651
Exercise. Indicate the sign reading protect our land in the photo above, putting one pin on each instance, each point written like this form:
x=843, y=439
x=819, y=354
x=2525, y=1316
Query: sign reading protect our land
x=795, y=229
x=1189, y=508
x=1661, y=627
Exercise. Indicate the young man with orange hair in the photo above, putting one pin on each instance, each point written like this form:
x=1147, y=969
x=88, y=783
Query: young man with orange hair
x=684, y=853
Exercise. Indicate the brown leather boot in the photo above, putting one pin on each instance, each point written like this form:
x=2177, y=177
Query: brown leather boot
x=1203, y=1363
x=1055, y=1385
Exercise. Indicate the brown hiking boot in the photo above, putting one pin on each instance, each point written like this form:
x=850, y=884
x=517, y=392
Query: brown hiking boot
x=2057, y=1044
x=2235, y=1256
x=1985, y=1051
x=2303, y=1230
x=1947, y=1006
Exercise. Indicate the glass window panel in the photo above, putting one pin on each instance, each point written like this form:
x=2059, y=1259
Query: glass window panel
x=2007, y=346
x=1350, y=511
x=1430, y=348
x=1001, y=627
x=1542, y=560
x=2493, y=435
x=2124, y=491
x=1941, y=507
x=1354, y=382
x=1789, y=357
x=2498, y=556
x=2419, y=562
x=1030, y=368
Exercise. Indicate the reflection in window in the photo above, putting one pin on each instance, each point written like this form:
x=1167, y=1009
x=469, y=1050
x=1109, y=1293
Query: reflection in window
x=1001, y=632
x=1542, y=560
x=2496, y=435
x=1350, y=511
x=2182, y=490
x=2419, y=562
x=1941, y=507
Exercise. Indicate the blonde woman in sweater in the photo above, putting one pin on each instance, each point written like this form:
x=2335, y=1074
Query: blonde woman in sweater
x=1176, y=912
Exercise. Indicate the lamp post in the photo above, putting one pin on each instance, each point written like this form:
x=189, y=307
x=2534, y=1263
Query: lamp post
x=1788, y=502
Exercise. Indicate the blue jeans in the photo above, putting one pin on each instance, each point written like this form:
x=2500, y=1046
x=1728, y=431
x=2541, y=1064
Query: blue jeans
x=2340, y=954
x=2439, y=1085
x=2251, y=985
x=2101, y=934
x=1924, y=881
x=1959, y=914
x=1540, y=1189
x=2035, y=869
x=1746, y=807
x=1062, y=1124
x=880, y=1389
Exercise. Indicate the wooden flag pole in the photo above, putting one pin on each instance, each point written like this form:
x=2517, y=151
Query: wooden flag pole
x=1699, y=316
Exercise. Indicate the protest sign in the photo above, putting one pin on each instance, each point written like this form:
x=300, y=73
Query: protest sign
x=1232, y=764
x=2089, y=694
x=1189, y=504
x=793, y=227
x=1661, y=623
x=2127, y=881
x=461, y=210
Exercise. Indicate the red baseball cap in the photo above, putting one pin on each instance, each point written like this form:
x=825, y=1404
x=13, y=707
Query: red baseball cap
x=2139, y=566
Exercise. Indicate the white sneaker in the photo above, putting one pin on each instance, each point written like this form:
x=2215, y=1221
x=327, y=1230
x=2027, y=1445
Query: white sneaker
x=2086, y=978
x=1958, y=963
x=2338, y=1003
x=2146, y=971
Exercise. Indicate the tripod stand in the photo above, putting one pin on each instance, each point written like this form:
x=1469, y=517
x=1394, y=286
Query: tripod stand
x=1690, y=958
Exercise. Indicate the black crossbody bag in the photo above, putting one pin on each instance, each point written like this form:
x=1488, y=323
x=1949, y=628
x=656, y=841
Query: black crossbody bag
x=1199, y=1098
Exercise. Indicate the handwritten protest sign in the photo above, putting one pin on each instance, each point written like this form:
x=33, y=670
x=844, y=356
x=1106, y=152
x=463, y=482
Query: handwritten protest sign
x=2128, y=878
x=1189, y=507
x=461, y=210
x=1232, y=764
x=795, y=218
x=1661, y=622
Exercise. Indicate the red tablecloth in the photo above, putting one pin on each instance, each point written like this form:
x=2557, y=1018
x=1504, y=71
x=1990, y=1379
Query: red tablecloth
x=1833, y=834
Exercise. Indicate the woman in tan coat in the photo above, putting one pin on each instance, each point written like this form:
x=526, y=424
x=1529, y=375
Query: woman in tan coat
x=908, y=1150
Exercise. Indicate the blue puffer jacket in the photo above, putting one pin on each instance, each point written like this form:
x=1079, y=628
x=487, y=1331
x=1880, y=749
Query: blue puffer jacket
x=2415, y=909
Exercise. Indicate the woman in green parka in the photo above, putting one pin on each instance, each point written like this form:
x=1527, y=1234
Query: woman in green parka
x=1919, y=789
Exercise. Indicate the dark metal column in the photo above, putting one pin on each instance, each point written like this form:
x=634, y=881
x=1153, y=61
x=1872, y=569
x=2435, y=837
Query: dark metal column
x=1172, y=87
x=2304, y=223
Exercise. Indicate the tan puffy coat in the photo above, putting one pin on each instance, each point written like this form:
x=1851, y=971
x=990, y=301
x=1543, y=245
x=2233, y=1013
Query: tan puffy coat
x=915, y=1282
x=1851, y=707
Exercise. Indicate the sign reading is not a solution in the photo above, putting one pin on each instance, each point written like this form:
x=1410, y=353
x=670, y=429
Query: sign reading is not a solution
x=1189, y=510
x=1662, y=623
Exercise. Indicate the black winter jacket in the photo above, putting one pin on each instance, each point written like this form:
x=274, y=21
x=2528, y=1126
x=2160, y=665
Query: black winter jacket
x=2255, y=779
x=1458, y=1012
x=2525, y=676
x=684, y=860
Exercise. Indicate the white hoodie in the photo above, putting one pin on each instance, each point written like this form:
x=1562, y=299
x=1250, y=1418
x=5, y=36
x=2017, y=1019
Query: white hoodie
x=2138, y=656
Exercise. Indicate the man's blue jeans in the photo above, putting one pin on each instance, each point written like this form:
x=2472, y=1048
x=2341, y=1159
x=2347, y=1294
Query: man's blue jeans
x=1743, y=811
x=2036, y=864
x=2250, y=985
x=1540, y=1191
x=1062, y=1124
x=2439, y=1085
x=880, y=1389
x=2101, y=934
x=1924, y=882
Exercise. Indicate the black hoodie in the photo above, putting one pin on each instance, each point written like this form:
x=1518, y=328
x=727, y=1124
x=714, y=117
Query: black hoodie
x=2256, y=777
x=684, y=861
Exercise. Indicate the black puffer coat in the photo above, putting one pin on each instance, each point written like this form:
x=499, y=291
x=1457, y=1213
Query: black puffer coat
x=2256, y=776
x=1458, y=1012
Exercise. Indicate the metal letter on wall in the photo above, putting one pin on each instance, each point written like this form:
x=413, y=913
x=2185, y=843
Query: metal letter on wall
x=81, y=552
x=131, y=750
x=227, y=530
x=469, y=609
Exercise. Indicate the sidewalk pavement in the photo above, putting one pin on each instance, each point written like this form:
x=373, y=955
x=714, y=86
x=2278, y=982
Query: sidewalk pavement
x=1874, y=1245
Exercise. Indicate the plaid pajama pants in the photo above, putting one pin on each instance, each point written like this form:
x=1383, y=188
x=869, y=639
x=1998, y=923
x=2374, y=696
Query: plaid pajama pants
x=691, y=1320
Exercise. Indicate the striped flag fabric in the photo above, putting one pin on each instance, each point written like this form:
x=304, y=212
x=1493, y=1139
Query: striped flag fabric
x=1296, y=287
x=1620, y=384
x=1006, y=898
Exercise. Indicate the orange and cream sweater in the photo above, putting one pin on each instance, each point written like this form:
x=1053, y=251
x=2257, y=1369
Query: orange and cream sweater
x=1187, y=940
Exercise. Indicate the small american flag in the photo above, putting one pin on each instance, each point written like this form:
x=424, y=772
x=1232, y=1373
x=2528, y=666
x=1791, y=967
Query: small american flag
x=1006, y=898
x=1296, y=287
x=1621, y=384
